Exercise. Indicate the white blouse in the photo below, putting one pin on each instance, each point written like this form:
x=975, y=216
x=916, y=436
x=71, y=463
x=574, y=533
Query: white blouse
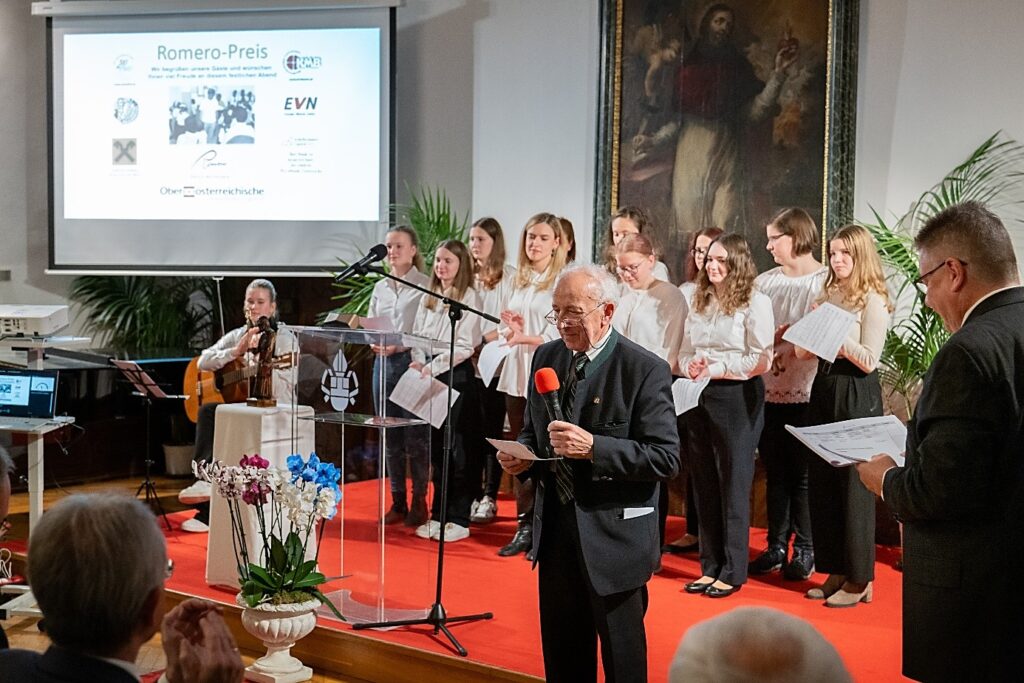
x=433, y=323
x=737, y=346
x=790, y=378
x=660, y=271
x=223, y=352
x=396, y=301
x=495, y=300
x=653, y=318
x=533, y=305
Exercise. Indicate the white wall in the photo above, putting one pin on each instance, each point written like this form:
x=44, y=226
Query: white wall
x=496, y=104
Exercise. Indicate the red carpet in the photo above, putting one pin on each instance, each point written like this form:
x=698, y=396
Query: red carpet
x=477, y=580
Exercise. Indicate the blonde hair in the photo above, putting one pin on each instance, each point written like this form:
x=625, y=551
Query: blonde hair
x=639, y=243
x=490, y=273
x=463, y=279
x=866, y=276
x=524, y=270
x=417, y=260
x=739, y=281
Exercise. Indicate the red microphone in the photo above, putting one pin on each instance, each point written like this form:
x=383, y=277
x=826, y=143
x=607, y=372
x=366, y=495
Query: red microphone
x=546, y=382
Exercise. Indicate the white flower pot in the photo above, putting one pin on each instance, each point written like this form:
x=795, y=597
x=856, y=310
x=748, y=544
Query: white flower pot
x=279, y=627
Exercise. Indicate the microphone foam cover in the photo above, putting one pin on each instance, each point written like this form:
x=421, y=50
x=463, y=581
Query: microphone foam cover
x=546, y=381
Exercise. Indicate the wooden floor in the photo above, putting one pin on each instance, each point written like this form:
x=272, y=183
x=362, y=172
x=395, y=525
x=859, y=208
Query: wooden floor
x=22, y=631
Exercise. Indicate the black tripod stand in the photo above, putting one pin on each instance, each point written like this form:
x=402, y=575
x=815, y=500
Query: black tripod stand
x=146, y=389
x=438, y=617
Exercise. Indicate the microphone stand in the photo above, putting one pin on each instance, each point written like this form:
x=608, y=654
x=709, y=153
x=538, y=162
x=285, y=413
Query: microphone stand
x=437, y=617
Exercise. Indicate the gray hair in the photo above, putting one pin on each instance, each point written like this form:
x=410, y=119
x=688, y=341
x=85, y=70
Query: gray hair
x=755, y=645
x=972, y=233
x=603, y=286
x=93, y=560
x=6, y=464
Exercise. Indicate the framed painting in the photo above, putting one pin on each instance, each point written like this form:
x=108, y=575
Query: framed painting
x=722, y=114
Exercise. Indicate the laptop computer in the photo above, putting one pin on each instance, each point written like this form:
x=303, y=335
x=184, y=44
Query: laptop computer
x=27, y=398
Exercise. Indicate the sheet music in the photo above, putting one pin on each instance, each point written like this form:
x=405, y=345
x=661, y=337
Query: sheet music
x=851, y=441
x=516, y=449
x=490, y=358
x=424, y=397
x=143, y=383
x=822, y=331
x=686, y=393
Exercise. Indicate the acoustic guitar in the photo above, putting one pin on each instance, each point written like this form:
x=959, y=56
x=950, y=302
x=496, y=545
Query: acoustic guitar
x=230, y=384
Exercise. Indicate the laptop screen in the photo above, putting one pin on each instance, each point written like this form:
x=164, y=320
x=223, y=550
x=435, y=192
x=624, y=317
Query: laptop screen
x=27, y=393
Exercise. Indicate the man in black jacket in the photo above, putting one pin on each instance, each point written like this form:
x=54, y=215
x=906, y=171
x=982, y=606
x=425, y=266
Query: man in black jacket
x=595, y=520
x=961, y=493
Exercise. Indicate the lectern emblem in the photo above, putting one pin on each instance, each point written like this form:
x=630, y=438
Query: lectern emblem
x=340, y=384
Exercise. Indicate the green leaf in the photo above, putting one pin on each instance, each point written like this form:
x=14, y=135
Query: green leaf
x=323, y=598
x=262, y=578
x=278, y=556
x=313, y=579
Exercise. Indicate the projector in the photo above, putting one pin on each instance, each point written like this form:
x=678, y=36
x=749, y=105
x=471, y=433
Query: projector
x=32, y=321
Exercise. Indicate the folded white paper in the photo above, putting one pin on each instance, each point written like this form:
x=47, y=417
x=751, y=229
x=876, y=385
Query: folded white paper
x=852, y=441
x=490, y=358
x=515, y=449
x=686, y=393
x=822, y=331
x=424, y=397
x=630, y=513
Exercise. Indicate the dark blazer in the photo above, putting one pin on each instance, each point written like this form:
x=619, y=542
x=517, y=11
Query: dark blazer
x=625, y=401
x=961, y=498
x=58, y=665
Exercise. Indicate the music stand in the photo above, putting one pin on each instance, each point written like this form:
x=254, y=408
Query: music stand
x=147, y=389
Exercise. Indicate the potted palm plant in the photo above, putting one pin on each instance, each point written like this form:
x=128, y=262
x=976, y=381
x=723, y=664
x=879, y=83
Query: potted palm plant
x=992, y=174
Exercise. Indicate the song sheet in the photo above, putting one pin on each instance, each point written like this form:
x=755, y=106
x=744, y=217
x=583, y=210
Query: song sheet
x=822, y=331
x=686, y=393
x=424, y=397
x=852, y=441
x=490, y=358
x=516, y=449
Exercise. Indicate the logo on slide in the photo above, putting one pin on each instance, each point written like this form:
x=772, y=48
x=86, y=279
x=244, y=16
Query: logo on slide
x=300, y=103
x=123, y=62
x=126, y=110
x=340, y=384
x=123, y=150
x=295, y=62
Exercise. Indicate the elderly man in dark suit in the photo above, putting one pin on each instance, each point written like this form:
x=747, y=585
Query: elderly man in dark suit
x=97, y=564
x=961, y=493
x=595, y=521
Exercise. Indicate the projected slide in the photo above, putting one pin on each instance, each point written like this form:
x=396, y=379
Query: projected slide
x=255, y=125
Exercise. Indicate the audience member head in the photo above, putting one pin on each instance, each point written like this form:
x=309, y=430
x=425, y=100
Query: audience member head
x=634, y=261
x=570, y=239
x=487, y=245
x=964, y=252
x=628, y=220
x=403, y=250
x=453, y=272
x=697, y=251
x=542, y=251
x=97, y=564
x=791, y=234
x=583, y=304
x=854, y=267
x=755, y=645
x=728, y=275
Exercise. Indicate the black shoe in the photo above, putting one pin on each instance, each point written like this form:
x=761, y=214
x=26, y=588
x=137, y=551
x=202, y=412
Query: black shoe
x=520, y=543
x=713, y=592
x=697, y=587
x=769, y=561
x=530, y=555
x=680, y=549
x=801, y=566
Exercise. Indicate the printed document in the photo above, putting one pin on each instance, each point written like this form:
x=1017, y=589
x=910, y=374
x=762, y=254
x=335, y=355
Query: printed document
x=424, y=397
x=686, y=393
x=516, y=449
x=490, y=358
x=822, y=331
x=852, y=441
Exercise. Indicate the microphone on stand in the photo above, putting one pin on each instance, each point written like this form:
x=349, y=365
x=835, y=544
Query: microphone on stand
x=545, y=381
x=375, y=254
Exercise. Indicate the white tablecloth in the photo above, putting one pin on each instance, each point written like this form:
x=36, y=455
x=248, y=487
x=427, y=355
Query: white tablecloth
x=274, y=434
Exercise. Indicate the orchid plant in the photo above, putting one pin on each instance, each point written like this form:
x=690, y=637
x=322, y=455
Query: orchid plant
x=289, y=505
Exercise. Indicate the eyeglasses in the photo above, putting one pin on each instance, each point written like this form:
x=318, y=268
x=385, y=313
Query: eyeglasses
x=169, y=571
x=922, y=280
x=564, y=321
x=629, y=270
x=697, y=251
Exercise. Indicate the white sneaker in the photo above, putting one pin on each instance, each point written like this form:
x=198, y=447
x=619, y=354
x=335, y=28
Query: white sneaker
x=452, y=532
x=198, y=492
x=429, y=530
x=194, y=526
x=484, y=512
x=474, y=507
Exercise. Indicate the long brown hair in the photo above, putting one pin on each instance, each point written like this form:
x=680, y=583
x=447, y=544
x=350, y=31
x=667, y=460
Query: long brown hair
x=799, y=225
x=524, y=271
x=739, y=282
x=690, y=270
x=490, y=272
x=463, y=279
x=866, y=276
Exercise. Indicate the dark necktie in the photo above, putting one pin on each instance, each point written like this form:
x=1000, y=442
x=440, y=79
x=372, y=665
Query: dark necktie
x=563, y=468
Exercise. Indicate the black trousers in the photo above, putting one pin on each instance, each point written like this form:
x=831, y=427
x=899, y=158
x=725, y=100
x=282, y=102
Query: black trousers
x=785, y=461
x=573, y=618
x=723, y=434
x=842, y=510
x=482, y=462
x=685, y=474
x=206, y=422
x=459, y=493
x=524, y=490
